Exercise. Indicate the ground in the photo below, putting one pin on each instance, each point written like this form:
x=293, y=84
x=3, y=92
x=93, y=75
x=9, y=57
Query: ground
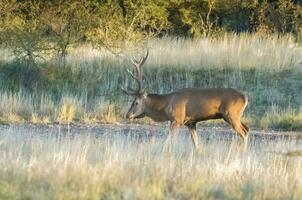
x=126, y=161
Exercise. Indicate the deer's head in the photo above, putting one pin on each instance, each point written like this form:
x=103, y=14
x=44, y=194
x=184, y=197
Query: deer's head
x=138, y=106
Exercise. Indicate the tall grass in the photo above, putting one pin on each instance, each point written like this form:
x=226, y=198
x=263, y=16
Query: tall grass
x=109, y=164
x=267, y=68
x=244, y=51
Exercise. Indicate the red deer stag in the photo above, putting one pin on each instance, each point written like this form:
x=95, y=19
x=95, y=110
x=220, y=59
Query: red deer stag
x=187, y=106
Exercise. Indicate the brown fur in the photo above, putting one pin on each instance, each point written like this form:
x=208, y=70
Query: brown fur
x=188, y=106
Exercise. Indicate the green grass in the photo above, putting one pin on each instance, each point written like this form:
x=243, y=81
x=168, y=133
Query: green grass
x=48, y=164
x=282, y=119
x=268, y=69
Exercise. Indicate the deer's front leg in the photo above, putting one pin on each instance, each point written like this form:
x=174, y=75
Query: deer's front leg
x=174, y=128
x=194, y=136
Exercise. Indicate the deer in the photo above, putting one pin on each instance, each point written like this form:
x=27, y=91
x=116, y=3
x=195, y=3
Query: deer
x=187, y=106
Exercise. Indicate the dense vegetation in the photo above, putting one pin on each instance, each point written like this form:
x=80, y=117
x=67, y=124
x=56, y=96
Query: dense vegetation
x=36, y=29
x=65, y=60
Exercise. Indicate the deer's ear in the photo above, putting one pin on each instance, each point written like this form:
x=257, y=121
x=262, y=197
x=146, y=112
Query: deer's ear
x=145, y=94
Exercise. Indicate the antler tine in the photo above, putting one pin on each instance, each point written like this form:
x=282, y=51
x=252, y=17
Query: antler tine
x=138, y=76
x=127, y=92
x=143, y=60
x=139, y=64
x=134, y=61
x=131, y=74
x=134, y=77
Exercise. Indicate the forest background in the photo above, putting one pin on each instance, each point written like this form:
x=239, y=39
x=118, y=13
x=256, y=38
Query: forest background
x=64, y=61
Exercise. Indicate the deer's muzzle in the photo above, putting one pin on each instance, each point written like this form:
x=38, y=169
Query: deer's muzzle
x=129, y=115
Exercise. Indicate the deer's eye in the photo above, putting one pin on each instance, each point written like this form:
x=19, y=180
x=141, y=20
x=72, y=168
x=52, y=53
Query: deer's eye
x=136, y=103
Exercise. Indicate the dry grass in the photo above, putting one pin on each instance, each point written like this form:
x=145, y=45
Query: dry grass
x=89, y=118
x=283, y=119
x=118, y=166
x=13, y=118
x=267, y=68
x=243, y=51
x=35, y=119
x=67, y=113
x=15, y=104
x=109, y=113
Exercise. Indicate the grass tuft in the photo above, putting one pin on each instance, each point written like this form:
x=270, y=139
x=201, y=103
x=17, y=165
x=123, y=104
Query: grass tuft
x=282, y=119
x=68, y=112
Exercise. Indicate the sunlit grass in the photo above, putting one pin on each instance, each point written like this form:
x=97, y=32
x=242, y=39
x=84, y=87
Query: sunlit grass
x=67, y=111
x=115, y=165
x=243, y=51
x=239, y=51
x=267, y=68
x=284, y=119
x=36, y=119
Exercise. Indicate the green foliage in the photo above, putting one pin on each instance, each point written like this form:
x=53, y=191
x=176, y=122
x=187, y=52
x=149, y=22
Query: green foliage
x=236, y=15
x=17, y=75
x=198, y=15
x=67, y=22
x=41, y=34
x=23, y=31
x=266, y=68
x=282, y=119
x=122, y=22
x=37, y=29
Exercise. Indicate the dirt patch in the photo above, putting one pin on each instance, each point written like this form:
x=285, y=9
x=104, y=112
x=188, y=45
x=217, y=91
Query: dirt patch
x=147, y=131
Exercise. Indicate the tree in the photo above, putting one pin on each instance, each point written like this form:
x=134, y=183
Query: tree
x=67, y=22
x=123, y=22
x=200, y=16
x=22, y=31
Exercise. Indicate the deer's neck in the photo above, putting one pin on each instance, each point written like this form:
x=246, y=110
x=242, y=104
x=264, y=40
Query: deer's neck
x=156, y=106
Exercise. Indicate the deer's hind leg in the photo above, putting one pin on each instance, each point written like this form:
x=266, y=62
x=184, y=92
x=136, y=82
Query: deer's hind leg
x=245, y=127
x=239, y=127
x=242, y=132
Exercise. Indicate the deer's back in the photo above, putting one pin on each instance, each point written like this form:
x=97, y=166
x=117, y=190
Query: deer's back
x=198, y=104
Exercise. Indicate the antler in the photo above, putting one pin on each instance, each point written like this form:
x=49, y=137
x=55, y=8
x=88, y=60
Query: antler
x=138, y=77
